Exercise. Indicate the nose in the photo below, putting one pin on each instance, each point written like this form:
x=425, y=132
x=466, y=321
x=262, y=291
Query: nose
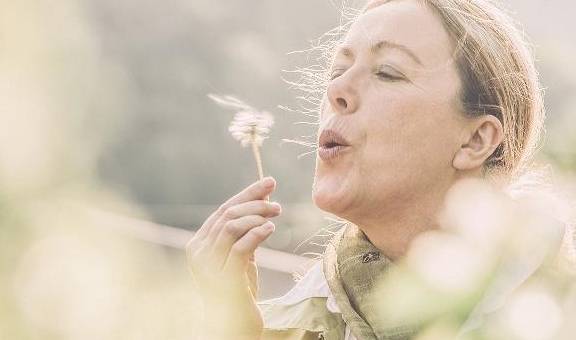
x=343, y=95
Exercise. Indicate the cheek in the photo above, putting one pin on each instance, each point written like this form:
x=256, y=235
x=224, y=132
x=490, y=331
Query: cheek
x=411, y=135
x=392, y=131
x=324, y=108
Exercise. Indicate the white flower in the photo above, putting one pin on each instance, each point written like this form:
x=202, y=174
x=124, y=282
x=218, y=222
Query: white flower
x=249, y=124
x=533, y=314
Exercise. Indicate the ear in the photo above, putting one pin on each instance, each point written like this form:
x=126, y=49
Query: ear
x=485, y=134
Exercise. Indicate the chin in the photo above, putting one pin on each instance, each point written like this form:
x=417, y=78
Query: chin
x=332, y=196
x=336, y=186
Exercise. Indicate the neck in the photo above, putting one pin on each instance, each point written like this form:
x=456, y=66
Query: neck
x=394, y=239
x=393, y=229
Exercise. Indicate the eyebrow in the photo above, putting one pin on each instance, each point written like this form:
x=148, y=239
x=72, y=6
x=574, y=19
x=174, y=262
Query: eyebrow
x=384, y=44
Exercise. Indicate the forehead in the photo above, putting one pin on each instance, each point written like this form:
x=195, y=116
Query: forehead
x=411, y=23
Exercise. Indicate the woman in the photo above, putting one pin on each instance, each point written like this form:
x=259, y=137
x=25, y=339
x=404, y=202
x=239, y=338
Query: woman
x=422, y=94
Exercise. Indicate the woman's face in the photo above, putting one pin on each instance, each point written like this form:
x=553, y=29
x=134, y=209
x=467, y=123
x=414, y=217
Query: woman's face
x=394, y=99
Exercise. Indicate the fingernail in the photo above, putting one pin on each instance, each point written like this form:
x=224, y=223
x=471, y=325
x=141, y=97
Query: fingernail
x=276, y=206
x=268, y=182
x=268, y=226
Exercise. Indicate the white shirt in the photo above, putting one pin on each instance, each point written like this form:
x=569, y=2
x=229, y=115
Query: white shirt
x=314, y=284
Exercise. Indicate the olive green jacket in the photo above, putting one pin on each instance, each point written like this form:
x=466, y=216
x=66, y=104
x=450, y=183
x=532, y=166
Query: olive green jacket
x=333, y=302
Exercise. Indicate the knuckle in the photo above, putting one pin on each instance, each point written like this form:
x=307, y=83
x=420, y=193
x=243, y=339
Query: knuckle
x=259, y=220
x=223, y=207
x=232, y=228
x=230, y=213
x=262, y=206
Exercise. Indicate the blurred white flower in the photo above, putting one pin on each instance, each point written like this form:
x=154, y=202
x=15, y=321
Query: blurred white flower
x=479, y=213
x=448, y=263
x=533, y=314
x=67, y=286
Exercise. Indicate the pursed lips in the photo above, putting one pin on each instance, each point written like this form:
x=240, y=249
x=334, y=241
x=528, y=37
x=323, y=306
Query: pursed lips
x=331, y=145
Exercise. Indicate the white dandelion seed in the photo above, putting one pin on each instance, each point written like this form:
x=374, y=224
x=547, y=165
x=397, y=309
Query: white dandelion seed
x=249, y=126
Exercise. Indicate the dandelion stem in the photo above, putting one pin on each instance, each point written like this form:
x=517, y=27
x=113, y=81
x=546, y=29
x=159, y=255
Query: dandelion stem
x=256, y=152
x=249, y=126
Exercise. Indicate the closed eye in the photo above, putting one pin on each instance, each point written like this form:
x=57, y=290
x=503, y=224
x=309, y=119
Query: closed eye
x=390, y=74
x=384, y=72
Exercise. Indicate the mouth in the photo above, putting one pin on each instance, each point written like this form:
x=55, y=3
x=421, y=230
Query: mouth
x=331, y=145
x=331, y=139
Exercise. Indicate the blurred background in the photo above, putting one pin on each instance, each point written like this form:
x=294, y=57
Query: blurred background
x=104, y=105
x=170, y=150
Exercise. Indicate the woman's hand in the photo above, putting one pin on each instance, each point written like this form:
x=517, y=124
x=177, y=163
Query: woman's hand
x=221, y=259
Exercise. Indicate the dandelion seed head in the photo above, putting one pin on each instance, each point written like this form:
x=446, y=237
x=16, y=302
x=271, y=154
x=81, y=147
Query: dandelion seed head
x=249, y=124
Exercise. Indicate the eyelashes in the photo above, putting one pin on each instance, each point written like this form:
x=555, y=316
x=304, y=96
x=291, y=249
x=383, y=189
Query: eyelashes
x=390, y=76
x=384, y=72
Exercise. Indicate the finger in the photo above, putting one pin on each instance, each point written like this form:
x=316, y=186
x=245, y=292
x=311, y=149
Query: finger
x=255, y=191
x=240, y=253
x=261, y=207
x=232, y=231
